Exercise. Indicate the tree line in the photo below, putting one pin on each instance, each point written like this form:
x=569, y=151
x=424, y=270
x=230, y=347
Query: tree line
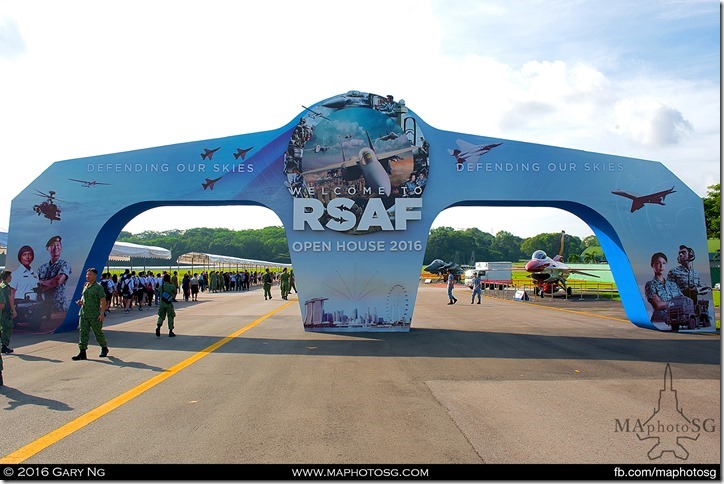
x=446, y=243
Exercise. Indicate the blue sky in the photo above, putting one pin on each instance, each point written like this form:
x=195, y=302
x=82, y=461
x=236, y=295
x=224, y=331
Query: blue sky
x=629, y=78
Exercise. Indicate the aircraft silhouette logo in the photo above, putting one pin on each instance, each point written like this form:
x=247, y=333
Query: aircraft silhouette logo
x=668, y=426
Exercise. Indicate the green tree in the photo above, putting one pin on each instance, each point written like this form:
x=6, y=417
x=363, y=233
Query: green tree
x=712, y=211
x=508, y=246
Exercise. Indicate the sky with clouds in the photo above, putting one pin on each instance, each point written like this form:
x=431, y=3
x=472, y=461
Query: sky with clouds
x=638, y=79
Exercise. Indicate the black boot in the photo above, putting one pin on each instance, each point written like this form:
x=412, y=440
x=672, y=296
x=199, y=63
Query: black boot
x=104, y=351
x=80, y=356
x=1, y=378
x=158, y=331
x=171, y=334
x=7, y=350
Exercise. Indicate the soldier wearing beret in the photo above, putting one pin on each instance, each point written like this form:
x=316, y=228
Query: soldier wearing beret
x=54, y=274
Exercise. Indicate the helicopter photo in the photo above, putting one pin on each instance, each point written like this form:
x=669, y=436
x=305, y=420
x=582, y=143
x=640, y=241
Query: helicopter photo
x=49, y=209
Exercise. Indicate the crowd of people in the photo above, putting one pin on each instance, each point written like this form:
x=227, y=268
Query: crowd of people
x=132, y=290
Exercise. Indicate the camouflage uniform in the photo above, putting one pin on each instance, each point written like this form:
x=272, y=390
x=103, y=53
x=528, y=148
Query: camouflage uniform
x=284, y=284
x=6, y=316
x=89, y=313
x=166, y=309
x=267, y=279
x=3, y=300
x=49, y=271
x=687, y=279
x=665, y=290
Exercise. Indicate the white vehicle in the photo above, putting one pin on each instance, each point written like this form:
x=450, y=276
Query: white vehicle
x=493, y=274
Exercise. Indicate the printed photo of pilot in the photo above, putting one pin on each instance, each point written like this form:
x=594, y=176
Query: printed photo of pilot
x=677, y=297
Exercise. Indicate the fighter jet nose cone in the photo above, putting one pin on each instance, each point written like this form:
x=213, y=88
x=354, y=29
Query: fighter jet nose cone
x=533, y=266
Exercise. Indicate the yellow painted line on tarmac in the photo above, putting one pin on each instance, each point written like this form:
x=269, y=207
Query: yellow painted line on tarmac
x=56, y=435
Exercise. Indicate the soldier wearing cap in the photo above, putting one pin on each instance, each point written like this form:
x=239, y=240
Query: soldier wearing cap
x=93, y=307
x=54, y=274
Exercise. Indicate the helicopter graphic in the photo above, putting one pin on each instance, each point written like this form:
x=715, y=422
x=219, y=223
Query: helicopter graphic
x=49, y=209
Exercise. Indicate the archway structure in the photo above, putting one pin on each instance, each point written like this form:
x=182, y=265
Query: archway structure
x=357, y=180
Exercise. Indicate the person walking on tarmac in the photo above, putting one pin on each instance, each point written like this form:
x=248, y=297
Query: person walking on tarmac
x=165, y=308
x=8, y=312
x=267, y=280
x=292, y=282
x=92, y=313
x=477, y=290
x=450, y=287
x=284, y=283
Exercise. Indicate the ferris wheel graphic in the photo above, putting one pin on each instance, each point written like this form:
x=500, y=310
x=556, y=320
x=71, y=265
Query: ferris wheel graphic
x=398, y=304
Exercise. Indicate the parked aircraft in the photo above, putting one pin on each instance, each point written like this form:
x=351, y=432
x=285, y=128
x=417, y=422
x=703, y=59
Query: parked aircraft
x=470, y=152
x=638, y=202
x=88, y=183
x=210, y=183
x=550, y=274
x=374, y=167
x=241, y=153
x=209, y=154
x=440, y=267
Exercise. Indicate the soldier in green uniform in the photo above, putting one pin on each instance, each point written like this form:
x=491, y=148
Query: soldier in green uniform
x=174, y=281
x=292, y=282
x=165, y=307
x=93, y=307
x=267, y=280
x=6, y=302
x=284, y=283
x=8, y=312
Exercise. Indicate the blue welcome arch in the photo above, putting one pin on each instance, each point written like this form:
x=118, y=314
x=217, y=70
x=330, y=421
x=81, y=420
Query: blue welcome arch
x=340, y=178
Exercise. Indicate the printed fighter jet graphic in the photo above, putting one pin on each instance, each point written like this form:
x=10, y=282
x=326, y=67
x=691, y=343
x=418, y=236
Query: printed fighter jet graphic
x=209, y=154
x=320, y=149
x=241, y=153
x=315, y=114
x=544, y=270
x=351, y=99
x=470, y=152
x=389, y=136
x=88, y=183
x=210, y=183
x=374, y=167
x=638, y=202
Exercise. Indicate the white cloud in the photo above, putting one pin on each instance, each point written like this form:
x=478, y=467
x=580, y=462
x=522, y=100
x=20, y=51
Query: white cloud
x=650, y=123
x=103, y=77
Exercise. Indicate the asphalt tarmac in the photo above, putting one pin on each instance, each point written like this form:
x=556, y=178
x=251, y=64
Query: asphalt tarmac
x=508, y=382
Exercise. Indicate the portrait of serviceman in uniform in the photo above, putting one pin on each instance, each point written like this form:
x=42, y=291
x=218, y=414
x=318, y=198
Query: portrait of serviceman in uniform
x=54, y=274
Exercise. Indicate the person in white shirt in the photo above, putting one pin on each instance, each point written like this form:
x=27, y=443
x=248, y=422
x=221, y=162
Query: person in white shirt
x=157, y=288
x=25, y=280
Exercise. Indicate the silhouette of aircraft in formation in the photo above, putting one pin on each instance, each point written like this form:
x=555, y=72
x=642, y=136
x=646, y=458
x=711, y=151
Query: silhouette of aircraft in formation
x=210, y=183
x=241, y=153
x=638, y=202
x=209, y=154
